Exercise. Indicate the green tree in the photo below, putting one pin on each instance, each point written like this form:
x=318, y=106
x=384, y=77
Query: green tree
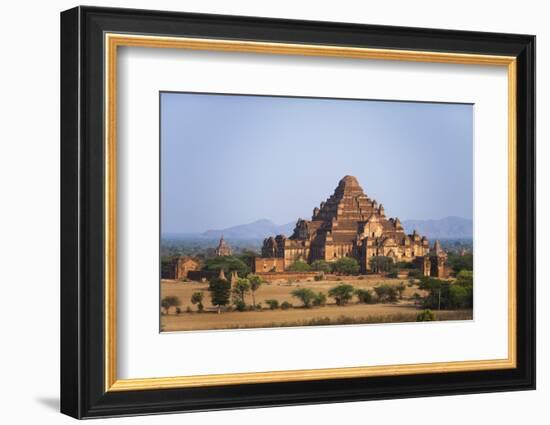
x=299, y=266
x=196, y=298
x=381, y=263
x=364, y=295
x=220, y=292
x=438, y=292
x=247, y=256
x=386, y=293
x=465, y=278
x=170, y=301
x=255, y=283
x=305, y=295
x=346, y=265
x=341, y=293
x=228, y=264
x=320, y=299
x=321, y=266
x=242, y=287
x=460, y=262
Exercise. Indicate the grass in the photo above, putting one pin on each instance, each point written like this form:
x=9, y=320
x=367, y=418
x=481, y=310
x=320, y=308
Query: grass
x=349, y=320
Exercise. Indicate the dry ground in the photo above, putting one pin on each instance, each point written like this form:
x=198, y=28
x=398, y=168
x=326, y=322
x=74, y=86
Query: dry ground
x=403, y=311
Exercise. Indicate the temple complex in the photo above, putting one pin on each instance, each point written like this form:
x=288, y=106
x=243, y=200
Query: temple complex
x=223, y=249
x=350, y=224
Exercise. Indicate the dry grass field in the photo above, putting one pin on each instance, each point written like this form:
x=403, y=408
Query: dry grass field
x=403, y=311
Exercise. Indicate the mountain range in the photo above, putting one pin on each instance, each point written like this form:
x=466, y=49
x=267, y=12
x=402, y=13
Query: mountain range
x=444, y=228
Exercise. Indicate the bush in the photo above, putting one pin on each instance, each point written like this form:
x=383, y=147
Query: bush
x=364, y=296
x=320, y=299
x=259, y=307
x=188, y=309
x=425, y=316
x=299, y=266
x=346, y=265
x=178, y=310
x=273, y=304
x=386, y=293
x=341, y=293
x=319, y=277
x=305, y=295
x=321, y=266
x=393, y=274
x=285, y=305
x=240, y=305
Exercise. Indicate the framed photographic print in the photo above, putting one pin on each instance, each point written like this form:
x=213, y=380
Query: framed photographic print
x=261, y=212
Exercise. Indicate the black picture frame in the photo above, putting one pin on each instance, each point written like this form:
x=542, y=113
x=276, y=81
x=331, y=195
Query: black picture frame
x=83, y=392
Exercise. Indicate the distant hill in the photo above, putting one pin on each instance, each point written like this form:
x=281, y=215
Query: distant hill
x=258, y=229
x=445, y=228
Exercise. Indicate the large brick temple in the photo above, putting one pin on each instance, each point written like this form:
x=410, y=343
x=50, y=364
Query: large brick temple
x=351, y=224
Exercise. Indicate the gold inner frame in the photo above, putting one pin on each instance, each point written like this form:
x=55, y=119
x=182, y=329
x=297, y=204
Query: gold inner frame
x=113, y=41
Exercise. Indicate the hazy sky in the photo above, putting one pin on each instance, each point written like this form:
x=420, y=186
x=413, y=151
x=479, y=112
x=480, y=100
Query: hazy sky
x=228, y=160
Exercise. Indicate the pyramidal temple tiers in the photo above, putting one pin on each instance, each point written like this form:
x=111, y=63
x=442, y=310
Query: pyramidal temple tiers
x=349, y=224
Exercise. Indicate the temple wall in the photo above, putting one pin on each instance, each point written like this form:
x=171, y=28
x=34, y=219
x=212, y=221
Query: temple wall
x=273, y=264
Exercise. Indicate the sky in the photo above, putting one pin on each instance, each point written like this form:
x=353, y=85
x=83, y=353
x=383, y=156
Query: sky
x=234, y=159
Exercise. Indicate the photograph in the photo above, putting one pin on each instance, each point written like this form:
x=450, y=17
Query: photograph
x=284, y=211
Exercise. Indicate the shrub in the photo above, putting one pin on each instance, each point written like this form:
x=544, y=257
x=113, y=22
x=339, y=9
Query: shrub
x=305, y=295
x=240, y=305
x=299, y=266
x=273, y=304
x=425, y=316
x=321, y=266
x=346, y=265
x=259, y=306
x=320, y=299
x=364, y=296
x=393, y=274
x=319, y=277
x=285, y=305
x=341, y=293
x=188, y=309
x=386, y=293
x=178, y=310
